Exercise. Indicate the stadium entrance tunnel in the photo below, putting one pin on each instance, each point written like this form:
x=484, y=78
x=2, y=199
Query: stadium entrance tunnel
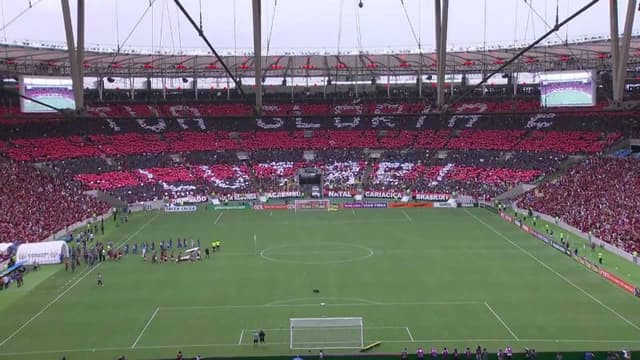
x=316, y=253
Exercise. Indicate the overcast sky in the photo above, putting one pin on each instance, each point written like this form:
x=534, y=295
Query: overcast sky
x=306, y=24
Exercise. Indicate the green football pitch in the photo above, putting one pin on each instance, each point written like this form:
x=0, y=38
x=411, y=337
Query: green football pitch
x=417, y=277
x=567, y=98
x=59, y=102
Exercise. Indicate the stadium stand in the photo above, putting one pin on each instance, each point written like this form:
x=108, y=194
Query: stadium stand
x=140, y=152
x=33, y=205
x=598, y=195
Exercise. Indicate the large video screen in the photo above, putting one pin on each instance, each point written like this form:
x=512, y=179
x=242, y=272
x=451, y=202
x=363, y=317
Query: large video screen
x=570, y=88
x=54, y=91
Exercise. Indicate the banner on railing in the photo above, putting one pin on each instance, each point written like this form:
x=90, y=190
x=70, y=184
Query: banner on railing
x=338, y=194
x=431, y=196
x=383, y=194
x=282, y=194
x=243, y=196
x=190, y=199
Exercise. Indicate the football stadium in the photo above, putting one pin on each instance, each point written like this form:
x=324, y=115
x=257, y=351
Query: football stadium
x=343, y=179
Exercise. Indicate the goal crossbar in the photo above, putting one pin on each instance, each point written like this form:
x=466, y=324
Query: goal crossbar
x=311, y=204
x=326, y=333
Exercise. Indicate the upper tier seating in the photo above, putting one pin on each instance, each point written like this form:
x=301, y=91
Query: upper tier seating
x=47, y=149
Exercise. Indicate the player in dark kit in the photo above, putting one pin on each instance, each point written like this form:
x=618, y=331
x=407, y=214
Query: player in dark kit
x=261, y=335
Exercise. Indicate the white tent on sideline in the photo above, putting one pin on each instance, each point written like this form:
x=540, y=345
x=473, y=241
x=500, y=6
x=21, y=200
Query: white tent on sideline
x=45, y=252
x=4, y=247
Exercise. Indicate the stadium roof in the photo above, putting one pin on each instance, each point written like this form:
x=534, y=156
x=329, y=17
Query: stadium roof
x=50, y=59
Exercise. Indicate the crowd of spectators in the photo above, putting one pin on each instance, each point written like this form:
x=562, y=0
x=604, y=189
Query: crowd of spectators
x=52, y=149
x=478, y=173
x=34, y=205
x=599, y=195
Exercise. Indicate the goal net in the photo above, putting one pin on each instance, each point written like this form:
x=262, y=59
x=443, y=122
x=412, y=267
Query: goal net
x=326, y=333
x=317, y=204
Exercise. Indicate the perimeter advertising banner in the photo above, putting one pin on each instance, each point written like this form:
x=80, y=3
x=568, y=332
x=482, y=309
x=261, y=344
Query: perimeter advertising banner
x=186, y=208
x=365, y=205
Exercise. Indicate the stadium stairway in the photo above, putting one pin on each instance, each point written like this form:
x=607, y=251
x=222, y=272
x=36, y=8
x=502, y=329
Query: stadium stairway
x=176, y=158
x=107, y=198
x=108, y=160
x=515, y=192
x=562, y=168
x=366, y=174
x=45, y=168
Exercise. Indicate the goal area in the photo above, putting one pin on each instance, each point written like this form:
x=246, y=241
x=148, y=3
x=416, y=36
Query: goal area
x=314, y=204
x=326, y=333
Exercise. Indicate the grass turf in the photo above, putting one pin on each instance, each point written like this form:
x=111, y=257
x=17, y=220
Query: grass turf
x=444, y=277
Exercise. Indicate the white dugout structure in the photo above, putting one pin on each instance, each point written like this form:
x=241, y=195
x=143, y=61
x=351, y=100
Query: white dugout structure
x=45, y=252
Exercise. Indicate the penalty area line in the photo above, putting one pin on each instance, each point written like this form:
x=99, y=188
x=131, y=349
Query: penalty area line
x=145, y=327
x=255, y=244
x=501, y=321
x=55, y=300
x=407, y=215
x=409, y=333
x=218, y=218
x=241, y=336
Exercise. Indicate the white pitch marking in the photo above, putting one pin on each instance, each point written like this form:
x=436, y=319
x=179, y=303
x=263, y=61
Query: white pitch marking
x=553, y=271
x=434, y=303
x=255, y=244
x=289, y=301
x=218, y=218
x=407, y=215
x=241, y=335
x=55, y=300
x=501, y=321
x=409, y=333
x=145, y=327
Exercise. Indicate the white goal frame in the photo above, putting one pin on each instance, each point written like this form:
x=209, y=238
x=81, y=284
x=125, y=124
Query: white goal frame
x=327, y=324
x=299, y=205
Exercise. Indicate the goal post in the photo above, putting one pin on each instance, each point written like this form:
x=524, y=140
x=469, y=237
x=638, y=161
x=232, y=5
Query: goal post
x=312, y=204
x=326, y=333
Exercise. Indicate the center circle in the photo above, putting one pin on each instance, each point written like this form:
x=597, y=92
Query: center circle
x=316, y=253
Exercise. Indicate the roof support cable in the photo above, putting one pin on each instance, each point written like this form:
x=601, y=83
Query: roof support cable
x=31, y=6
x=526, y=49
x=566, y=44
x=135, y=26
x=211, y=48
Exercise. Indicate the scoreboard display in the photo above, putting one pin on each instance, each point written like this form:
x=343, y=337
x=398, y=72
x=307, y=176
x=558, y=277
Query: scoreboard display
x=53, y=91
x=567, y=88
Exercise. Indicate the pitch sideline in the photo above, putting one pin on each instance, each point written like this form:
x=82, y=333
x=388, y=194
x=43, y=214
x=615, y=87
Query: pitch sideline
x=55, y=300
x=553, y=271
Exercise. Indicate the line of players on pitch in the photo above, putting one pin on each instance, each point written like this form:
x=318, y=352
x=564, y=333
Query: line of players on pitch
x=480, y=354
x=188, y=250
